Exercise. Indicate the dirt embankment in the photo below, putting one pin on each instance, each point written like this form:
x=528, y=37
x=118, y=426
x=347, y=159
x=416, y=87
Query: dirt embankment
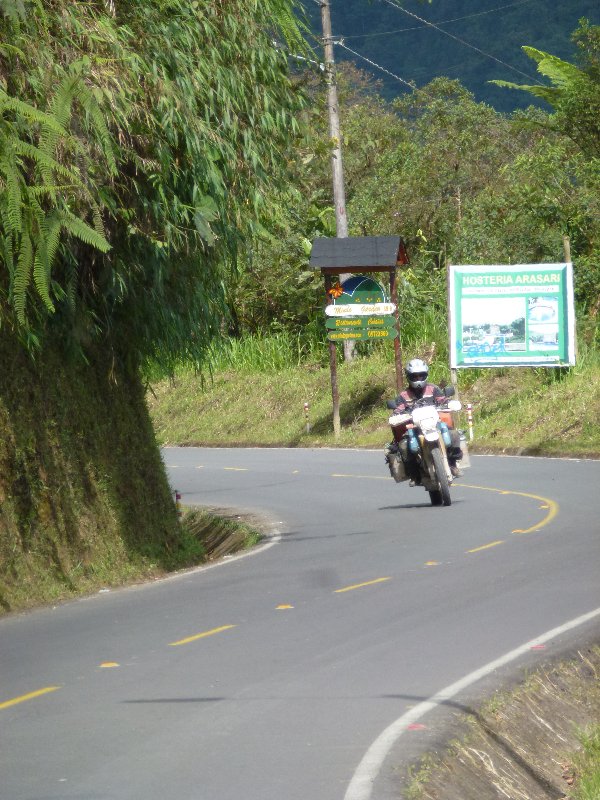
x=521, y=745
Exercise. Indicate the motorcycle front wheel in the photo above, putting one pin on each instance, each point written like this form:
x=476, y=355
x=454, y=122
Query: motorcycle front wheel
x=440, y=496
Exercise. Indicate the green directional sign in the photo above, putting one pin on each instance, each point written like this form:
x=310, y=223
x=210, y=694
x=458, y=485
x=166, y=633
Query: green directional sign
x=370, y=334
x=372, y=323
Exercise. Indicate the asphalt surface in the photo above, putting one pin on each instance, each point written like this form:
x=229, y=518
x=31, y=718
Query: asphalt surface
x=272, y=675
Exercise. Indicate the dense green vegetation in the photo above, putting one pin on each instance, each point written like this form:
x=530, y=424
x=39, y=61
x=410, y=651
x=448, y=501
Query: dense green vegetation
x=460, y=182
x=416, y=52
x=457, y=179
x=139, y=147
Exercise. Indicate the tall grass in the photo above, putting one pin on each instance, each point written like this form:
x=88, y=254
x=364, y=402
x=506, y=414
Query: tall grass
x=588, y=765
x=423, y=335
x=274, y=353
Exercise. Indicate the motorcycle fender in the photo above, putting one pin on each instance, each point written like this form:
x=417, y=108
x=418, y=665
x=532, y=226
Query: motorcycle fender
x=437, y=442
x=427, y=463
x=432, y=436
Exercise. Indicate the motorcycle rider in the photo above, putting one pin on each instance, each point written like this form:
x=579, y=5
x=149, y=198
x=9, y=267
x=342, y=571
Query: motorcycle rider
x=418, y=388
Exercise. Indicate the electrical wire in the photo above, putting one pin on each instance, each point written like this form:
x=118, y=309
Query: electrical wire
x=439, y=22
x=410, y=85
x=462, y=41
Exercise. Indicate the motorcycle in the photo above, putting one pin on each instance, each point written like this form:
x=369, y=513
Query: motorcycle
x=422, y=437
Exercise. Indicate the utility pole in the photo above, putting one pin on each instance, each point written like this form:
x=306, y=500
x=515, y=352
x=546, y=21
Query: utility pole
x=339, y=193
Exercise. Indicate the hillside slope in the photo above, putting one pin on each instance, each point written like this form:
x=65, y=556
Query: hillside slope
x=536, y=411
x=84, y=500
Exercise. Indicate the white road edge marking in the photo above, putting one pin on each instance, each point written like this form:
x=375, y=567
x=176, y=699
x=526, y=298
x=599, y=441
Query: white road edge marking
x=361, y=785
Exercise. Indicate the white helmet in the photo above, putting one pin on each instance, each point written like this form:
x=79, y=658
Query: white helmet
x=416, y=373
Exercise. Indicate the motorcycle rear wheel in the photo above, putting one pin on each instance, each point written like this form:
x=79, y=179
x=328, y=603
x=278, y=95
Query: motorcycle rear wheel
x=440, y=496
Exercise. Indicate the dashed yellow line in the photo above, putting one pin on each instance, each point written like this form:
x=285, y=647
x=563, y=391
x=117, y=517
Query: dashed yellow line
x=486, y=546
x=551, y=506
x=25, y=697
x=360, y=585
x=546, y=504
x=203, y=635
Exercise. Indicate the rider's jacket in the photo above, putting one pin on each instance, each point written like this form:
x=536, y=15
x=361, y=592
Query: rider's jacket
x=407, y=398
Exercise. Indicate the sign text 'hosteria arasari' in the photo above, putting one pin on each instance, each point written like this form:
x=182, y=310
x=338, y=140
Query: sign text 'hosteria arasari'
x=515, y=315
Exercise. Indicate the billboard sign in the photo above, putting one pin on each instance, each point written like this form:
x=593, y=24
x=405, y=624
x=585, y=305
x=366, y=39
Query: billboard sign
x=511, y=316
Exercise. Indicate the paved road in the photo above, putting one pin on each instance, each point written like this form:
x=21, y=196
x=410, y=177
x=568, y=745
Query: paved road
x=273, y=675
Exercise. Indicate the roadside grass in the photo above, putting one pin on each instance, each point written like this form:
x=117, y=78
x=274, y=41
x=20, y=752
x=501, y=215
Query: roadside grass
x=256, y=395
x=587, y=765
x=215, y=535
x=538, y=739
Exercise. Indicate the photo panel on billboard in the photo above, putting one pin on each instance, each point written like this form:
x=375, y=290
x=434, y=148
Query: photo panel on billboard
x=517, y=315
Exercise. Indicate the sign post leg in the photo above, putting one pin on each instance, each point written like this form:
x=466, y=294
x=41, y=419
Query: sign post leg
x=335, y=394
x=397, y=345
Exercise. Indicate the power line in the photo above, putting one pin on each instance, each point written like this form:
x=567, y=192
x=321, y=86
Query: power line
x=410, y=85
x=458, y=39
x=439, y=22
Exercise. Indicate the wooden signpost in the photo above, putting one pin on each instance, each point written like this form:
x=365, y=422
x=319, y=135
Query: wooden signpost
x=358, y=309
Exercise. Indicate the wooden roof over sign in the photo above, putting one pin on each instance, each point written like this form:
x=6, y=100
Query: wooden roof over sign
x=371, y=253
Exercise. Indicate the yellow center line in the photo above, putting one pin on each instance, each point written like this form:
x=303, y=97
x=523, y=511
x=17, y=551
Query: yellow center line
x=203, y=635
x=486, y=546
x=551, y=506
x=31, y=696
x=360, y=585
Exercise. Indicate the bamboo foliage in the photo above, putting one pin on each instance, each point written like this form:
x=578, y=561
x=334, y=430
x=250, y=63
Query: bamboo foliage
x=126, y=193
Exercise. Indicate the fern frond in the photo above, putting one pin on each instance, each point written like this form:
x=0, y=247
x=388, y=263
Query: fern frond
x=50, y=191
x=22, y=277
x=548, y=93
x=60, y=108
x=7, y=254
x=13, y=196
x=44, y=162
x=52, y=228
x=97, y=219
x=8, y=103
x=41, y=274
x=560, y=72
x=11, y=50
x=98, y=122
x=81, y=230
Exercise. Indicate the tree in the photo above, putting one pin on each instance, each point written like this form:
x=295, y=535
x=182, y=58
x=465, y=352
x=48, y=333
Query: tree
x=574, y=93
x=134, y=185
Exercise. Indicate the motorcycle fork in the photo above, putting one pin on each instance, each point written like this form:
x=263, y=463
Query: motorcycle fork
x=426, y=448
